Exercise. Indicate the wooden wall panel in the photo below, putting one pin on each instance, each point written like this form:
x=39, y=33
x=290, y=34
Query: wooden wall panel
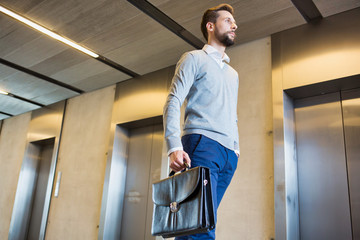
x=75, y=214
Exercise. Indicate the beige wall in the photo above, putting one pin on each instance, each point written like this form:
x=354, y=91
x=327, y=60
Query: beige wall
x=142, y=97
x=320, y=52
x=12, y=148
x=75, y=214
x=247, y=209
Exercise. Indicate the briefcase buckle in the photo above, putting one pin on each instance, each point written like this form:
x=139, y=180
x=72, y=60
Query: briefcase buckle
x=205, y=182
x=174, y=207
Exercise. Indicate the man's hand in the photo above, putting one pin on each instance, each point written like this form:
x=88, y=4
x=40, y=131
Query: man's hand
x=177, y=159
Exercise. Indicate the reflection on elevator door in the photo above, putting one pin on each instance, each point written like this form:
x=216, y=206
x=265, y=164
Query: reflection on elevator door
x=328, y=195
x=143, y=168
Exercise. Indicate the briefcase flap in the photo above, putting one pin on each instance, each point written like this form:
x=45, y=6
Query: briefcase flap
x=169, y=190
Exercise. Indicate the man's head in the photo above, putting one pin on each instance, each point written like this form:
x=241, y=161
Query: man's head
x=219, y=21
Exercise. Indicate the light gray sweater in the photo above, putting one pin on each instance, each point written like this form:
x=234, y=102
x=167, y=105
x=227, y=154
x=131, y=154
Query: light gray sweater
x=211, y=97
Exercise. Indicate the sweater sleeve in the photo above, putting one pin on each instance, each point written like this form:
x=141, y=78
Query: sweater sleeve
x=181, y=83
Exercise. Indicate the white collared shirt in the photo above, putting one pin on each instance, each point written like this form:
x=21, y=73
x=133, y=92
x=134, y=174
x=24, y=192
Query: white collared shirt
x=216, y=55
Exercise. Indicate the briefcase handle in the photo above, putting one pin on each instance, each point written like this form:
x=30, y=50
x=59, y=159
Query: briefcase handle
x=172, y=173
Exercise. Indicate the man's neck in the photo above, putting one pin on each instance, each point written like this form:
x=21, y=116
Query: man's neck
x=218, y=46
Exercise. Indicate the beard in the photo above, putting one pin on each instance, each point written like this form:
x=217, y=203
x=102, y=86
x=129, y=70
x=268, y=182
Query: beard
x=224, y=38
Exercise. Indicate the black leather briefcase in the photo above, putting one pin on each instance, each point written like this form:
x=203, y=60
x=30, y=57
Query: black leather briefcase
x=183, y=204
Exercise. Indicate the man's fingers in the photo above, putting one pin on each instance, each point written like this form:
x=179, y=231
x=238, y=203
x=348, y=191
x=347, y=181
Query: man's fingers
x=175, y=166
x=177, y=160
x=187, y=159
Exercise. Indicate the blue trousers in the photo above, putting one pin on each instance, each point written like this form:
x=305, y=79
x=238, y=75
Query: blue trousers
x=222, y=162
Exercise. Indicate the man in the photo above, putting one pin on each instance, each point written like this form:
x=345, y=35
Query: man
x=209, y=86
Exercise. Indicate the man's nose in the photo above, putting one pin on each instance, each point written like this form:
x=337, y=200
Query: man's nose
x=234, y=26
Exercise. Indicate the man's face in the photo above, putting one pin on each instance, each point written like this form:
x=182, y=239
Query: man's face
x=225, y=27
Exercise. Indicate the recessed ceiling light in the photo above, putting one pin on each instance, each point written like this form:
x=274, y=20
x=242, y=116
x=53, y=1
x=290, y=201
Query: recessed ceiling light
x=47, y=31
x=2, y=92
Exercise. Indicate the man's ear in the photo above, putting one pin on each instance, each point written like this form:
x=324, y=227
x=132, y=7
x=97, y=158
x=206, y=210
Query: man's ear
x=210, y=26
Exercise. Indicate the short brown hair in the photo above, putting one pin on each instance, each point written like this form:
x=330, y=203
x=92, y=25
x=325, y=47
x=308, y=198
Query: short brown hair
x=211, y=15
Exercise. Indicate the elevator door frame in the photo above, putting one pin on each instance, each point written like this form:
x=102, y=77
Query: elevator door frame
x=22, y=223
x=45, y=125
x=116, y=167
x=285, y=161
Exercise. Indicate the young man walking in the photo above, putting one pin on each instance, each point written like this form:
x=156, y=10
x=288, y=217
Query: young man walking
x=209, y=87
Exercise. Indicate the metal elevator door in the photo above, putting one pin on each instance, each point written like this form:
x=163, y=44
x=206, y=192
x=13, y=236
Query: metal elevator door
x=40, y=191
x=327, y=142
x=143, y=168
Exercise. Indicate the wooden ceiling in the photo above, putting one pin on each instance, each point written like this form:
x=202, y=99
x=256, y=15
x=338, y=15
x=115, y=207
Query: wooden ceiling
x=37, y=68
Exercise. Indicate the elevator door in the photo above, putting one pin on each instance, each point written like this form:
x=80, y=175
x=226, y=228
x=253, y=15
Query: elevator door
x=328, y=189
x=143, y=168
x=40, y=190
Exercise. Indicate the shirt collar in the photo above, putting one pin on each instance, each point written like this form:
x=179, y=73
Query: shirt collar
x=210, y=50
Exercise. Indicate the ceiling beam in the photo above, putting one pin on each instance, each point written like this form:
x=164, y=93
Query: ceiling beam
x=40, y=76
x=308, y=9
x=7, y=114
x=167, y=22
x=25, y=100
x=117, y=66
